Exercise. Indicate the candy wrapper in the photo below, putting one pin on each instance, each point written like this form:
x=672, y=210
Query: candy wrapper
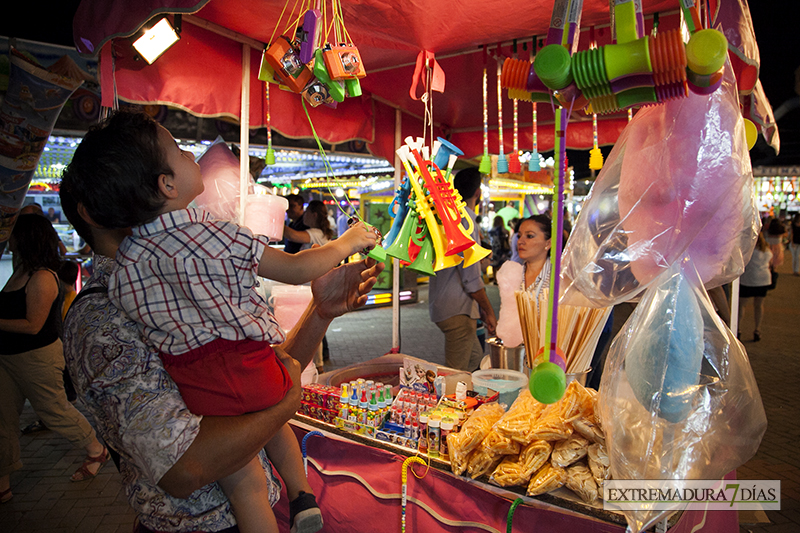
x=678, y=180
x=678, y=398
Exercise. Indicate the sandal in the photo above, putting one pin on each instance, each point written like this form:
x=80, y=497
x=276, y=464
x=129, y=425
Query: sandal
x=83, y=473
x=5, y=495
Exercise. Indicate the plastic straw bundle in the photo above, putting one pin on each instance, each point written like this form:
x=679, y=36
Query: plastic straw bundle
x=579, y=329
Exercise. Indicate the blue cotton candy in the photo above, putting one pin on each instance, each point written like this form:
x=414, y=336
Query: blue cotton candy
x=663, y=361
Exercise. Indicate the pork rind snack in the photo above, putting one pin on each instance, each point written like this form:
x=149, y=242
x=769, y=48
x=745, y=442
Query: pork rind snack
x=589, y=430
x=534, y=455
x=474, y=430
x=517, y=422
x=569, y=451
x=598, y=463
x=580, y=481
x=548, y=478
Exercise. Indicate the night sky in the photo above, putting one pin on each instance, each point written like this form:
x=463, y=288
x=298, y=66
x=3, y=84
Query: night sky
x=774, y=22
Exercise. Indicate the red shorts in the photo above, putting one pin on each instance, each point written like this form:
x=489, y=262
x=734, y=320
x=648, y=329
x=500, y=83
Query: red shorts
x=226, y=378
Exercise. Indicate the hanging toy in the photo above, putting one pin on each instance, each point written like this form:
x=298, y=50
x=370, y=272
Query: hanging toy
x=513, y=158
x=502, y=162
x=404, y=479
x=303, y=446
x=595, y=155
x=486, y=161
x=270, y=157
x=533, y=163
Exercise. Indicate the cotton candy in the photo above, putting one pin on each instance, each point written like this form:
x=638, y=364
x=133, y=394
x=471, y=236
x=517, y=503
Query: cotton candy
x=509, y=280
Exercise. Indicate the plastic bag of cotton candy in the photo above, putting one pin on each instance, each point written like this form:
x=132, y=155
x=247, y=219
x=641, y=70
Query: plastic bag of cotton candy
x=678, y=400
x=678, y=180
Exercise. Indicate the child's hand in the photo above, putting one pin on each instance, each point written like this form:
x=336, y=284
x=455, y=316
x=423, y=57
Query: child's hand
x=360, y=237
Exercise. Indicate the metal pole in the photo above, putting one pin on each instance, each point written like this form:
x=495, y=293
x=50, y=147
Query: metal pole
x=398, y=120
x=244, y=133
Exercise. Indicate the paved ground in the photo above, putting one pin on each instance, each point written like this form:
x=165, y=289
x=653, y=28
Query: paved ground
x=46, y=501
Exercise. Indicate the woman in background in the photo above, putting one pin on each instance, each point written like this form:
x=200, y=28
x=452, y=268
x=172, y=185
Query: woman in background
x=31, y=354
x=794, y=243
x=755, y=282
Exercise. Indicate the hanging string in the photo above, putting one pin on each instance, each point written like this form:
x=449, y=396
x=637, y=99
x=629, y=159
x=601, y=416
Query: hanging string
x=499, y=106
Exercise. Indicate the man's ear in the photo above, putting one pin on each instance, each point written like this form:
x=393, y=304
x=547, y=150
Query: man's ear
x=84, y=214
x=167, y=186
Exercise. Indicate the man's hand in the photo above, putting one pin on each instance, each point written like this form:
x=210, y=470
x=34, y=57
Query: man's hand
x=489, y=321
x=345, y=288
x=293, y=367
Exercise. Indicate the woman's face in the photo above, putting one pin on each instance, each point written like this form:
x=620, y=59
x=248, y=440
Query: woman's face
x=533, y=243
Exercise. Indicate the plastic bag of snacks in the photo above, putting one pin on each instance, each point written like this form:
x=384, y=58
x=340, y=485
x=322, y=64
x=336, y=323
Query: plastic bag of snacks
x=580, y=481
x=516, y=423
x=518, y=469
x=546, y=479
x=569, y=451
x=474, y=430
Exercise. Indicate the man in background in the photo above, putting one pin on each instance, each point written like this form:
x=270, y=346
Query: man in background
x=295, y=214
x=457, y=297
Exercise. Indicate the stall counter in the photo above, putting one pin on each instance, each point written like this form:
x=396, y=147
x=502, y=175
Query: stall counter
x=357, y=482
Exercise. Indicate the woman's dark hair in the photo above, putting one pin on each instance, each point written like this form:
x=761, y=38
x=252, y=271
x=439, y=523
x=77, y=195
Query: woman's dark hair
x=776, y=227
x=36, y=243
x=320, y=212
x=761, y=242
x=114, y=172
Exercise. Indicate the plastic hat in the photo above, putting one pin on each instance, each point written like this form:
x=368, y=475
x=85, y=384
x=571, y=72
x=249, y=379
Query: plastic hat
x=547, y=383
x=706, y=51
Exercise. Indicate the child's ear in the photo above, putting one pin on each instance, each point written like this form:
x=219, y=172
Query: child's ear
x=84, y=214
x=167, y=186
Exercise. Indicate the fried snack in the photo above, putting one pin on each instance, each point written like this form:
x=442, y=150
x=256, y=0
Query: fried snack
x=482, y=461
x=475, y=429
x=581, y=482
x=516, y=423
x=598, y=463
x=534, y=455
x=550, y=426
x=569, y=451
x=510, y=472
x=500, y=445
x=577, y=401
x=588, y=430
x=548, y=478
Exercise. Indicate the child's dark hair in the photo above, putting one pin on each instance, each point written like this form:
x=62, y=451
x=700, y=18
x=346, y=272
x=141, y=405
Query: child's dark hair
x=114, y=172
x=68, y=272
x=467, y=181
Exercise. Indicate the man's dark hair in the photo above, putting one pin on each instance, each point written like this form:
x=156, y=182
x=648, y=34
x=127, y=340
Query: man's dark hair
x=69, y=206
x=467, y=181
x=295, y=199
x=114, y=172
x=68, y=272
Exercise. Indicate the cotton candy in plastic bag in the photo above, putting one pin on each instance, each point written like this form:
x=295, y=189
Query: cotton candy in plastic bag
x=678, y=399
x=679, y=177
x=219, y=167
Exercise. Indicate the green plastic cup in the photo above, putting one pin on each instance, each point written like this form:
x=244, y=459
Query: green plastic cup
x=548, y=382
x=706, y=51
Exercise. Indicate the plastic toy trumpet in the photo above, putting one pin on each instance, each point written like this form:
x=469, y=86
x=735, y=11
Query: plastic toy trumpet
x=422, y=203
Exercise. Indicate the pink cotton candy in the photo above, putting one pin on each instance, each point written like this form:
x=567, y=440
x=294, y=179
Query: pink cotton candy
x=683, y=161
x=509, y=280
x=220, y=170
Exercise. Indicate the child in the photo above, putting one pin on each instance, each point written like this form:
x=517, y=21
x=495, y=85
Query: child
x=189, y=280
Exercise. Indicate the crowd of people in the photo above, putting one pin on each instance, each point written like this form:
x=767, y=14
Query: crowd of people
x=173, y=372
